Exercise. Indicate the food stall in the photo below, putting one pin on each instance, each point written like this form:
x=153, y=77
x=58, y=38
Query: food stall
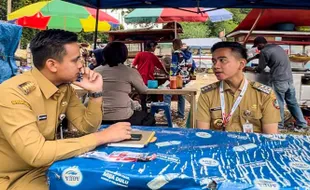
x=135, y=40
x=280, y=28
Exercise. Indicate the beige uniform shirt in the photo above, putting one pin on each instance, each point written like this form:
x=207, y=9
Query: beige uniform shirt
x=30, y=107
x=259, y=106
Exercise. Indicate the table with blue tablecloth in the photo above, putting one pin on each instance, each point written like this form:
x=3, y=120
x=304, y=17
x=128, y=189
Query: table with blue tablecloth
x=191, y=159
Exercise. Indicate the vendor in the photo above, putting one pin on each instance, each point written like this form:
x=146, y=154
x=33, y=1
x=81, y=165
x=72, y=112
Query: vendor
x=146, y=62
x=23, y=66
x=281, y=79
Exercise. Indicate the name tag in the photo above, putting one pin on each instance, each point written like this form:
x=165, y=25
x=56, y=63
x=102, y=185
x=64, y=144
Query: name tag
x=42, y=117
x=248, y=128
x=215, y=109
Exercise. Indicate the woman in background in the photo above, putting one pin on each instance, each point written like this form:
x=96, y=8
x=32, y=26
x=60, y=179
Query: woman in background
x=118, y=80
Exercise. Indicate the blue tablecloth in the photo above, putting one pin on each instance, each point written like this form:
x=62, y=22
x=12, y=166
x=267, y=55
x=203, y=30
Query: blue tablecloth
x=192, y=159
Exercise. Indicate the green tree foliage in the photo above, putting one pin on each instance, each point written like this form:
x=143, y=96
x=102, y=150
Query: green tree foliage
x=195, y=30
x=3, y=11
x=209, y=29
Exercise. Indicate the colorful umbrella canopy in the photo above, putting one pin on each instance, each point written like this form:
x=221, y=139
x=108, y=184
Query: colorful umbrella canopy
x=162, y=15
x=57, y=14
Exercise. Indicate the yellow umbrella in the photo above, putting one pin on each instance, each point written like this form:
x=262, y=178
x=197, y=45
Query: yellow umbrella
x=90, y=23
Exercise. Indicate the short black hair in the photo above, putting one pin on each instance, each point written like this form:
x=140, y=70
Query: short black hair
x=259, y=40
x=234, y=46
x=115, y=53
x=150, y=44
x=50, y=44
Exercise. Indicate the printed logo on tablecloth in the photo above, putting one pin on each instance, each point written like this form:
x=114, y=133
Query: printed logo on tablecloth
x=203, y=135
x=240, y=137
x=258, y=164
x=168, y=143
x=299, y=165
x=266, y=184
x=168, y=158
x=208, y=162
x=207, y=146
x=280, y=150
x=115, y=178
x=244, y=147
x=276, y=137
x=72, y=176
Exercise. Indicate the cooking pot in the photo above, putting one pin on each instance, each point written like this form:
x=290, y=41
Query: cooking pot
x=305, y=80
x=299, y=69
x=305, y=111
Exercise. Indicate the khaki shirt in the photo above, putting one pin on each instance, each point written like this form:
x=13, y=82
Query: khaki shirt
x=259, y=106
x=29, y=119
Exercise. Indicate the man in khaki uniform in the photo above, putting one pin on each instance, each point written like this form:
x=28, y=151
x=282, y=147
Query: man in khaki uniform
x=33, y=104
x=248, y=106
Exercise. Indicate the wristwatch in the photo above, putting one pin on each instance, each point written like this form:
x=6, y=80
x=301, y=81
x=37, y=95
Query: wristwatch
x=95, y=94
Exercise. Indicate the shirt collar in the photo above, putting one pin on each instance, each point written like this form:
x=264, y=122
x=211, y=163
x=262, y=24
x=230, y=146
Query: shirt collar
x=227, y=87
x=46, y=86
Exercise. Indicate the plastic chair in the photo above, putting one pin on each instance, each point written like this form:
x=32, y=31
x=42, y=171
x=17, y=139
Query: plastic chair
x=155, y=106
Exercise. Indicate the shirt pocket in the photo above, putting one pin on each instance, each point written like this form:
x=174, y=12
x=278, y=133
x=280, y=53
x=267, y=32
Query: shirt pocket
x=254, y=117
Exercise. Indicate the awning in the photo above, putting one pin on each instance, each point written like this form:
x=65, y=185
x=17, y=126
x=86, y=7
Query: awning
x=270, y=17
x=275, y=4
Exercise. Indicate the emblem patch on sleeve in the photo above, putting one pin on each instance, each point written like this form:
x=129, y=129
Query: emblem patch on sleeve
x=276, y=104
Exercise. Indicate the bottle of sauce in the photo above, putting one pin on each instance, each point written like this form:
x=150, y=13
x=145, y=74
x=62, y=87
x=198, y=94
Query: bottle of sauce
x=179, y=82
x=173, y=82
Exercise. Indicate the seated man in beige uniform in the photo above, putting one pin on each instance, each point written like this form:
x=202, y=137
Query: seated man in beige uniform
x=234, y=103
x=33, y=104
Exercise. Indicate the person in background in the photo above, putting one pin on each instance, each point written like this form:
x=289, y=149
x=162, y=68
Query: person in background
x=182, y=65
x=234, y=103
x=118, y=81
x=33, y=104
x=171, y=25
x=96, y=59
x=146, y=62
x=24, y=66
x=281, y=79
x=190, y=61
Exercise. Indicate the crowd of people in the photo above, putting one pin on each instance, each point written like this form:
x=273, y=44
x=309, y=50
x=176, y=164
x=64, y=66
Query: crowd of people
x=43, y=96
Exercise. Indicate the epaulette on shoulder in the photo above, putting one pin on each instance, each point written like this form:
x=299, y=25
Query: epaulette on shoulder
x=27, y=87
x=209, y=87
x=261, y=87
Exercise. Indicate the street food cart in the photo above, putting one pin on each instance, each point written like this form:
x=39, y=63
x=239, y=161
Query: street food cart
x=293, y=42
x=284, y=28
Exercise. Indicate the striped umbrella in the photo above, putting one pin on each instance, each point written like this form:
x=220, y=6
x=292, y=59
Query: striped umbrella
x=163, y=15
x=57, y=14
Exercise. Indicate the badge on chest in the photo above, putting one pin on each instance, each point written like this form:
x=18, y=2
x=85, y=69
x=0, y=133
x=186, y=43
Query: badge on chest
x=247, y=127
